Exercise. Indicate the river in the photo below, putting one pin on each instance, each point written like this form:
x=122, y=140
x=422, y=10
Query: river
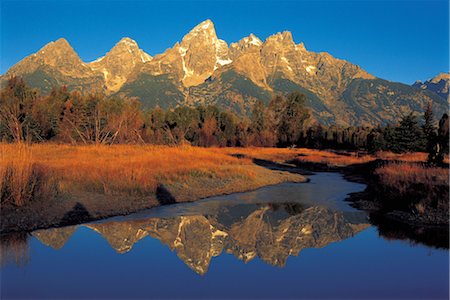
x=284, y=241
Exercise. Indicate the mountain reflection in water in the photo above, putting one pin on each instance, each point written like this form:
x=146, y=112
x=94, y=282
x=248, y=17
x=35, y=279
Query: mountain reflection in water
x=271, y=232
x=265, y=226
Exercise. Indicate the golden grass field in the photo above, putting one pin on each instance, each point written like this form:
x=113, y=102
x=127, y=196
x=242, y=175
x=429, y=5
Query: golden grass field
x=41, y=170
x=132, y=170
x=40, y=184
x=116, y=170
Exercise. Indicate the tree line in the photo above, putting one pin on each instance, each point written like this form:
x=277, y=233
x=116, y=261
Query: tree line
x=71, y=117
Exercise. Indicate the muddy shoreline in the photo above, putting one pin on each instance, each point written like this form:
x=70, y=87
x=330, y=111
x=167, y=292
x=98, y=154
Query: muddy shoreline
x=82, y=207
x=373, y=199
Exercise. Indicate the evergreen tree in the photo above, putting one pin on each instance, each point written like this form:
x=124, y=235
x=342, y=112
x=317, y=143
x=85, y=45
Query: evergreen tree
x=429, y=132
x=442, y=139
x=408, y=136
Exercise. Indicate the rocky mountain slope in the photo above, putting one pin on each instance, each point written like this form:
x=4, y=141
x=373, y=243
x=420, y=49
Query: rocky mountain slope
x=438, y=84
x=203, y=69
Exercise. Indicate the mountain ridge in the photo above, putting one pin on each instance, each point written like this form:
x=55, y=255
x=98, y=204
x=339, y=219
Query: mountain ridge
x=203, y=69
x=438, y=84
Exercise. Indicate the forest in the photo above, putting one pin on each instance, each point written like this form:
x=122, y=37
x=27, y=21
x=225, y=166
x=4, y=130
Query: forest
x=71, y=117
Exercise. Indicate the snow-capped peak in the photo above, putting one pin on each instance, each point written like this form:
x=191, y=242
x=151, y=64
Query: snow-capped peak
x=127, y=41
x=252, y=39
x=207, y=24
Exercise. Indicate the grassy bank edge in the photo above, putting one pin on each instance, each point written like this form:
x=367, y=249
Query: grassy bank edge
x=55, y=208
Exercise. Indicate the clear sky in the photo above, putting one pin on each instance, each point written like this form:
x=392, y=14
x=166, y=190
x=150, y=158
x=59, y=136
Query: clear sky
x=395, y=40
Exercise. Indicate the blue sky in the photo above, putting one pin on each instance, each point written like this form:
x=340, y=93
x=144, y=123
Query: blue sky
x=395, y=40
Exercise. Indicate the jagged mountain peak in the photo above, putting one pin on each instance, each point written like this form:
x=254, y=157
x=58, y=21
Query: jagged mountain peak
x=247, y=42
x=60, y=43
x=300, y=47
x=203, y=69
x=440, y=76
x=127, y=41
x=203, y=32
x=119, y=63
x=440, y=84
x=202, y=53
x=207, y=25
x=58, y=55
x=130, y=48
x=59, y=48
x=253, y=40
x=284, y=37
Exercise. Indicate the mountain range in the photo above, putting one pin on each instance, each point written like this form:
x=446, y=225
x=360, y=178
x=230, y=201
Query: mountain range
x=203, y=69
x=272, y=233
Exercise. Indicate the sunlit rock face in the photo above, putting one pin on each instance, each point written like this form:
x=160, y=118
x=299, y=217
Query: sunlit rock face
x=270, y=232
x=246, y=56
x=58, y=54
x=202, y=53
x=203, y=69
x=118, y=64
x=195, y=59
x=56, y=64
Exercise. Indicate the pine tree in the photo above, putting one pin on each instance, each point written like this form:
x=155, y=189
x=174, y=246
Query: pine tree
x=429, y=132
x=408, y=136
x=442, y=139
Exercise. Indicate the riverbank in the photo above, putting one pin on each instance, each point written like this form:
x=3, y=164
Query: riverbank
x=400, y=188
x=49, y=185
x=43, y=186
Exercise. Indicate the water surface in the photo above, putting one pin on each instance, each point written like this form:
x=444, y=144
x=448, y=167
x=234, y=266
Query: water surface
x=284, y=241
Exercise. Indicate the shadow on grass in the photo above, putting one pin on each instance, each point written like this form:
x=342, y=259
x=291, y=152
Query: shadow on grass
x=164, y=196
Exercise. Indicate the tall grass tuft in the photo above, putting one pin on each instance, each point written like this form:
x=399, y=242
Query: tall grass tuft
x=21, y=179
x=119, y=170
x=415, y=183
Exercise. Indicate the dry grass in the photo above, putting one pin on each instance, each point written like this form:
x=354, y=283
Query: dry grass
x=335, y=159
x=95, y=182
x=402, y=175
x=43, y=169
x=407, y=157
x=272, y=154
x=301, y=154
x=416, y=185
x=122, y=169
x=345, y=158
x=21, y=179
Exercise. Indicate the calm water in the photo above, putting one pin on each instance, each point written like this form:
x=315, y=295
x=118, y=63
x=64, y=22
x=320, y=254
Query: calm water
x=284, y=241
